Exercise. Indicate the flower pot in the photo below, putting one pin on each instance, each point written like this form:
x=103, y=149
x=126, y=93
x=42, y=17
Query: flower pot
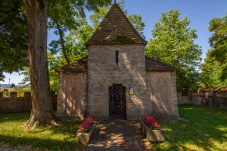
x=153, y=135
x=83, y=137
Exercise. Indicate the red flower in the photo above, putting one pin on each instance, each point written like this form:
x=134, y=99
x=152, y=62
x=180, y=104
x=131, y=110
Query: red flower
x=85, y=126
x=150, y=122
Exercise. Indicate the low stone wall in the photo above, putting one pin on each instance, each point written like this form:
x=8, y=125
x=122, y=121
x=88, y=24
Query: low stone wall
x=205, y=97
x=14, y=104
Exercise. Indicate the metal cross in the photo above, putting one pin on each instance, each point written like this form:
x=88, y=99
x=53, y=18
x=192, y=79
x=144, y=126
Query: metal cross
x=114, y=1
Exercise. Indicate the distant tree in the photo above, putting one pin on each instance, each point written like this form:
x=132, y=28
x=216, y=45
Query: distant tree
x=218, y=42
x=172, y=42
x=12, y=85
x=211, y=73
x=65, y=16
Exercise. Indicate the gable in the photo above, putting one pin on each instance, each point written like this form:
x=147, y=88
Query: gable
x=115, y=29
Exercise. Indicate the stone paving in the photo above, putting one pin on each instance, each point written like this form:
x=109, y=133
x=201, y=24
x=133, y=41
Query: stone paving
x=119, y=135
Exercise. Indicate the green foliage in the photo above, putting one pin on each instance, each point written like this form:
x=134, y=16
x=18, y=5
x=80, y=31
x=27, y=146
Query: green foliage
x=212, y=72
x=2, y=77
x=218, y=42
x=6, y=92
x=20, y=91
x=26, y=81
x=66, y=16
x=172, y=42
x=13, y=37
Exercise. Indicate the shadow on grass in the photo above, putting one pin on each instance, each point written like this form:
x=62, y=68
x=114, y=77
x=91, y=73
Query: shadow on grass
x=41, y=144
x=204, y=129
x=57, y=138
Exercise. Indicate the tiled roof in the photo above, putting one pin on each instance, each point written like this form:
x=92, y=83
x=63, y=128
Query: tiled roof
x=154, y=65
x=81, y=66
x=75, y=67
x=115, y=29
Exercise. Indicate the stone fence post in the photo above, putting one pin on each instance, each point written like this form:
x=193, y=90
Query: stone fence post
x=27, y=96
x=190, y=95
x=13, y=96
x=203, y=97
x=1, y=96
x=216, y=97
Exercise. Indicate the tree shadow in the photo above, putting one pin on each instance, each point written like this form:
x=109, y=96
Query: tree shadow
x=62, y=137
x=204, y=129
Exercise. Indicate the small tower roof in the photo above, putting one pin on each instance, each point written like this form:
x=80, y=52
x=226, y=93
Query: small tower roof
x=115, y=29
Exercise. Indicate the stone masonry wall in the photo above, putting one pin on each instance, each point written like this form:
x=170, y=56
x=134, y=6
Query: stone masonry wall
x=216, y=98
x=14, y=104
x=72, y=95
x=103, y=72
x=163, y=94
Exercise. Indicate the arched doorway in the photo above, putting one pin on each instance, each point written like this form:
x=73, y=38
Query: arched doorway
x=117, y=102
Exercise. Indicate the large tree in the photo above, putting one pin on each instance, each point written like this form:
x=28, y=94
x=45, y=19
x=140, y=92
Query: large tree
x=218, y=42
x=42, y=108
x=13, y=36
x=172, y=42
x=37, y=17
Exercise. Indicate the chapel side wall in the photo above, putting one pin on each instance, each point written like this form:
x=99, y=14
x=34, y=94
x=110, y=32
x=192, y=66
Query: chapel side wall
x=163, y=94
x=103, y=72
x=72, y=95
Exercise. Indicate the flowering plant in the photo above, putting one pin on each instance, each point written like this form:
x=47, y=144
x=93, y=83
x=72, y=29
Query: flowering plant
x=151, y=122
x=86, y=125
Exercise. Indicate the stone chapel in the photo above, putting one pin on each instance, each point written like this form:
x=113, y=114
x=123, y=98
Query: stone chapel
x=116, y=80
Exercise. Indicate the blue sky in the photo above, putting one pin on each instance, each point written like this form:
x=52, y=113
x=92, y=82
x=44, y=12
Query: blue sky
x=199, y=12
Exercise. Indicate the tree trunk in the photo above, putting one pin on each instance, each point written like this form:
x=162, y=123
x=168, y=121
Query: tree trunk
x=63, y=44
x=42, y=107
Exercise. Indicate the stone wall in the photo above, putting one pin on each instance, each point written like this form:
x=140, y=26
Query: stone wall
x=104, y=71
x=14, y=104
x=72, y=95
x=163, y=94
x=205, y=97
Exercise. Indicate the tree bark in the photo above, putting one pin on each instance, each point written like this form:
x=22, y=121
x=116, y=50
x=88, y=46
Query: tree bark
x=42, y=107
x=63, y=44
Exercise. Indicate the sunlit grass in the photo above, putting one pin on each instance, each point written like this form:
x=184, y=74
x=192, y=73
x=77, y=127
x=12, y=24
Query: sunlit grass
x=62, y=137
x=205, y=129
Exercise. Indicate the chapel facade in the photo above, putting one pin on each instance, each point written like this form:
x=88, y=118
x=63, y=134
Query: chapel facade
x=116, y=80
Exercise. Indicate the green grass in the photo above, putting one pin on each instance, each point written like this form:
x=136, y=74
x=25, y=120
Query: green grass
x=205, y=129
x=62, y=137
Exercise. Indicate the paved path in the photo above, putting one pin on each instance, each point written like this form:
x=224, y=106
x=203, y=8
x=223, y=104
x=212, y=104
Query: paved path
x=119, y=135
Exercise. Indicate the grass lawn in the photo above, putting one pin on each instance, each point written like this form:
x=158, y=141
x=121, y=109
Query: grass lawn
x=204, y=129
x=40, y=139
